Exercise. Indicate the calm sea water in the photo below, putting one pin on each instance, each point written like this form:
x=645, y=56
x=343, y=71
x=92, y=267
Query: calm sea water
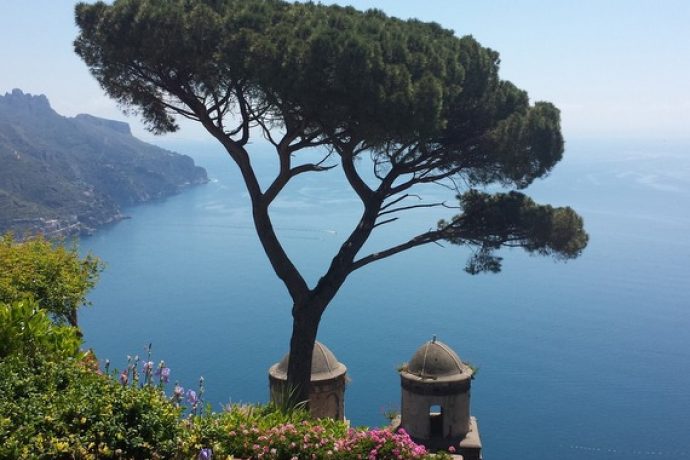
x=584, y=360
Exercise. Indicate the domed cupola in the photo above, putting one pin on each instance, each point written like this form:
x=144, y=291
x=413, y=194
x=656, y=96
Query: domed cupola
x=328, y=378
x=435, y=360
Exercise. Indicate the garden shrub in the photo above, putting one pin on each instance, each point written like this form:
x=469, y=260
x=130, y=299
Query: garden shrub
x=54, y=275
x=65, y=410
x=27, y=330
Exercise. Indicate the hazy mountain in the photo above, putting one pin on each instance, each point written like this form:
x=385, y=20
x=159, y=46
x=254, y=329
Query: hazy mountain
x=70, y=175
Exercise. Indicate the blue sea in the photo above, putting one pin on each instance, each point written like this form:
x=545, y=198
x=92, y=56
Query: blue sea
x=588, y=359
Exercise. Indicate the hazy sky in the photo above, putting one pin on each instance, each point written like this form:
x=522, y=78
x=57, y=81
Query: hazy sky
x=615, y=68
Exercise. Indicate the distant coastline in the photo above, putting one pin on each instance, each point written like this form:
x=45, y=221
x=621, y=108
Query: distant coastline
x=65, y=176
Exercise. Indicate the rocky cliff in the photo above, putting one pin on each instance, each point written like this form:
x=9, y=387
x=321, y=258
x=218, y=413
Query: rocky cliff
x=63, y=175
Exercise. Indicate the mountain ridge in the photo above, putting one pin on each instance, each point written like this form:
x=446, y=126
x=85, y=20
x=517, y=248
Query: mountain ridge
x=62, y=175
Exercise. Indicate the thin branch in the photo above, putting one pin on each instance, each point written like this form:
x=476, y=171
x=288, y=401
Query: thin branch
x=377, y=165
x=219, y=115
x=362, y=148
x=266, y=131
x=413, y=206
x=323, y=160
x=419, y=240
x=185, y=113
x=358, y=185
x=308, y=141
x=399, y=199
x=220, y=102
x=452, y=188
x=423, y=180
x=387, y=221
x=244, y=112
x=310, y=167
x=165, y=83
x=235, y=131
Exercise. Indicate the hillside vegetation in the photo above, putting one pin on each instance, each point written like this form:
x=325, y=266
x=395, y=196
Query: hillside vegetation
x=63, y=175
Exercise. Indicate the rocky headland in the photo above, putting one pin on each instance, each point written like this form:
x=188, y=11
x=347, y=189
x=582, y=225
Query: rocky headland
x=64, y=176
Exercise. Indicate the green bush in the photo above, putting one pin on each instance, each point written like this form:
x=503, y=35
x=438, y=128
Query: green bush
x=27, y=330
x=51, y=274
x=65, y=410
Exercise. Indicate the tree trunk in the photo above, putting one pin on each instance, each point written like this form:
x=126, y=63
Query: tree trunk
x=306, y=315
x=72, y=320
x=305, y=326
x=72, y=317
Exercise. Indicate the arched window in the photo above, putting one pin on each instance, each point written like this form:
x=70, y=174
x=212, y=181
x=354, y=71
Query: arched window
x=435, y=421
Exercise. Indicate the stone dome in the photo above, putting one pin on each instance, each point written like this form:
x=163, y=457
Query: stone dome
x=324, y=365
x=435, y=360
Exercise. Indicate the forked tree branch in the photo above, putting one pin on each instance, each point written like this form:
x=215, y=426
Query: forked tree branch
x=281, y=181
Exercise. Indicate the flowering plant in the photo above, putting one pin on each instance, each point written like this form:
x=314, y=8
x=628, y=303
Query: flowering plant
x=260, y=432
x=380, y=443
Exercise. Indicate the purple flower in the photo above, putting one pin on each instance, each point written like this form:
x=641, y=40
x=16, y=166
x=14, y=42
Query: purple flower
x=178, y=394
x=191, y=397
x=124, y=377
x=163, y=374
x=205, y=454
x=147, y=370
